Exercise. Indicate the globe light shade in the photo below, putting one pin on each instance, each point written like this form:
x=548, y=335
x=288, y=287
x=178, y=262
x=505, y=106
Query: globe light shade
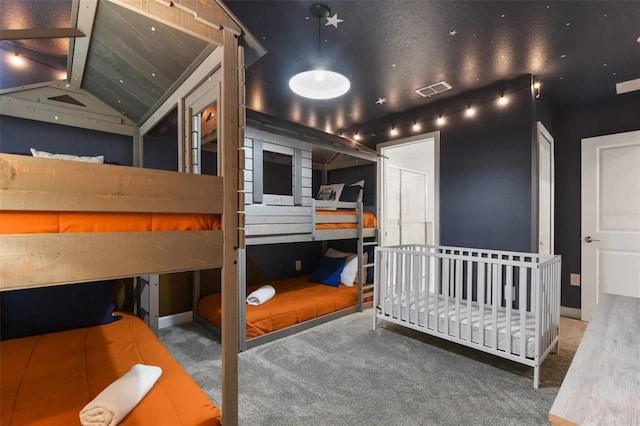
x=319, y=84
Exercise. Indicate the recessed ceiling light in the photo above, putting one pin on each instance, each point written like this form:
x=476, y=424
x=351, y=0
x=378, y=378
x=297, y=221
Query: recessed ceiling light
x=568, y=23
x=638, y=39
x=121, y=81
x=563, y=55
x=153, y=74
x=153, y=28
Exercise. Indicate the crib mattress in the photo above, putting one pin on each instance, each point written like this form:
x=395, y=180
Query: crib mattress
x=30, y=222
x=398, y=309
x=48, y=379
x=368, y=219
x=296, y=300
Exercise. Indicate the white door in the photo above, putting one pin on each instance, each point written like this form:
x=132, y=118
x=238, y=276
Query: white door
x=610, y=218
x=408, y=190
x=545, y=190
x=405, y=207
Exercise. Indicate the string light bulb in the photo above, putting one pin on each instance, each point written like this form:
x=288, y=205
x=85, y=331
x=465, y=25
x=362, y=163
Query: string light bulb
x=16, y=60
x=441, y=120
x=536, y=91
x=503, y=100
x=357, y=136
x=393, y=131
x=416, y=127
x=470, y=111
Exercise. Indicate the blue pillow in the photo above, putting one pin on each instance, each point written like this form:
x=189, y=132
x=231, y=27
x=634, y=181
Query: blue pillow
x=328, y=271
x=350, y=193
x=49, y=309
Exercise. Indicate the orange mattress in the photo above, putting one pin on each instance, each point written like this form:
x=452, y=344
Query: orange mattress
x=48, y=379
x=28, y=222
x=296, y=300
x=368, y=219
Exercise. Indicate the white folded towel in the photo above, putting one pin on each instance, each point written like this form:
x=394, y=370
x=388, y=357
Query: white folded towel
x=261, y=295
x=120, y=397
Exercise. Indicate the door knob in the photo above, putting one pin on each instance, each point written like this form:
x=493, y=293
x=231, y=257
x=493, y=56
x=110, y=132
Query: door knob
x=588, y=239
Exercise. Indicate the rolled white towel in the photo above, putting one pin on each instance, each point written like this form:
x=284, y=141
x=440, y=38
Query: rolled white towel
x=120, y=397
x=261, y=295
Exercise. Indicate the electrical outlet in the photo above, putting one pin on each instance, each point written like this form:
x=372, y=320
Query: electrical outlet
x=575, y=280
x=298, y=265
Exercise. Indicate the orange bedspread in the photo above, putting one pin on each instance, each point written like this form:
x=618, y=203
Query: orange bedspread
x=48, y=379
x=368, y=219
x=296, y=300
x=28, y=222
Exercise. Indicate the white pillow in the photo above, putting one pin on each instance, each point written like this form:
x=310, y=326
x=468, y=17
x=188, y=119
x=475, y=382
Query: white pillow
x=330, y=192
x=349, y=273
x=43, y=154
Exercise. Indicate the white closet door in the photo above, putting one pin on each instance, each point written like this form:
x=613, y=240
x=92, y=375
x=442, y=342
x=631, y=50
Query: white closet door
x=413, y=202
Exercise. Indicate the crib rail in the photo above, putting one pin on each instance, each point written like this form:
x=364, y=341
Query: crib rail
x=504, y=303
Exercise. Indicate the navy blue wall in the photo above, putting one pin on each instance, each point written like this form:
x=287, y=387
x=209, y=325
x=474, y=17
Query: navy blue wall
x=570, y=126
x=278, y=261
x=485, y=164
x=17, y=135
x=485, y=177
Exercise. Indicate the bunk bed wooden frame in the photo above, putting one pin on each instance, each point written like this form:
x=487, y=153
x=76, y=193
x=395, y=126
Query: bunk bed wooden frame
x=266, y=223
x=32, y=184
x=287, y=220
x=40, y=184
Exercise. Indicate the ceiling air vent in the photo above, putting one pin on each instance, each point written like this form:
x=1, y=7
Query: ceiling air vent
x=433, y=89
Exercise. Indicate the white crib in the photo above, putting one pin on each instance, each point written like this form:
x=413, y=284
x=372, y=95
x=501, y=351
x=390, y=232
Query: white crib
x=461, y=294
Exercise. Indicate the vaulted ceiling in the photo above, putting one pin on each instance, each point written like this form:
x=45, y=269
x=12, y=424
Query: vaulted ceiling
x=578, y=50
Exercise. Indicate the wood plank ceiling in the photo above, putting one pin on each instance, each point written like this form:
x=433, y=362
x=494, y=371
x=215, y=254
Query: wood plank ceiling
x=133, y=60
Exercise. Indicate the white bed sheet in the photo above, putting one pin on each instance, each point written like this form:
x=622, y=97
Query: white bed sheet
x=397, y=308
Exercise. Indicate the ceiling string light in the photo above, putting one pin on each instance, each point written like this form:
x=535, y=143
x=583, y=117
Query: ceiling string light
x=441, y=119
x=320, y=83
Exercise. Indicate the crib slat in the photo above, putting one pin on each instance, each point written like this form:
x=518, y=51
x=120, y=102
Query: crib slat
x=508, y=306
x=445, y=290
x=469, y=299
x=522, y=306
x=481, y=283
x=427, y=293
x=494, y=303
x=458, y=296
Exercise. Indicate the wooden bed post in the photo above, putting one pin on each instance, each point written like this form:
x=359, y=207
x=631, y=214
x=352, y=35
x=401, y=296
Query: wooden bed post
x=231, y=137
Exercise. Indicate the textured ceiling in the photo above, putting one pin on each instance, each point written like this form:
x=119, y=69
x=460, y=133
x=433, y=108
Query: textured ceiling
x=388, y=49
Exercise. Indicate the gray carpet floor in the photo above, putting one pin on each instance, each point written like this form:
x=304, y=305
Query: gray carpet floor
x=343, y=373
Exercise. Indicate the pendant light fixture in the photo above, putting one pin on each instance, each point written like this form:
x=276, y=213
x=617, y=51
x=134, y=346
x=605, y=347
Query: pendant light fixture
x=319, y=83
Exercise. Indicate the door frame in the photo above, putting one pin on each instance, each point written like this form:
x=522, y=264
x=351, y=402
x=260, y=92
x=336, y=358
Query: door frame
x=542, y=132
x=436, y=176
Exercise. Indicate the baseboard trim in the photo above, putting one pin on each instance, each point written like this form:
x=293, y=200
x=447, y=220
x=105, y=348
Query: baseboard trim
x=575, y=313
x=175, y=319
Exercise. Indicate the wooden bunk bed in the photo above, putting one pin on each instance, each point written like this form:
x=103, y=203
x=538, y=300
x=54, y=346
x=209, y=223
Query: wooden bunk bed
x=127, y=198
x=57, y=190
x=294, y=217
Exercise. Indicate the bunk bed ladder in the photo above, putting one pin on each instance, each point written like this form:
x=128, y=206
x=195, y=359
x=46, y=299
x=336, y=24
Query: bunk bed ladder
x=365, y=297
